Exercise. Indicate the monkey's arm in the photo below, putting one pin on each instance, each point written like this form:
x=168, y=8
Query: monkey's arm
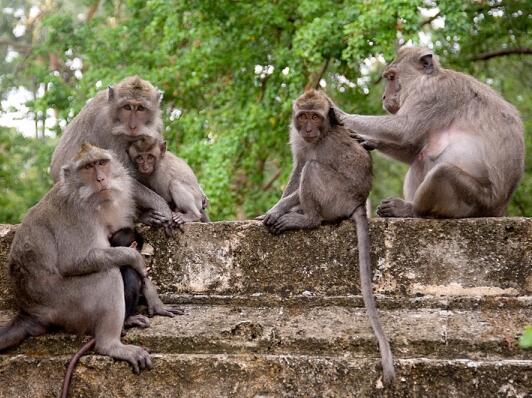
x=394, y=135
x=99, y=259
x=293, y=181
x=155, y=210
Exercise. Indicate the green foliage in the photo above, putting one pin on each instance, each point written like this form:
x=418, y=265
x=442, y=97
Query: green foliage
x=24, y=176
x=230, y=70
x=525, y=341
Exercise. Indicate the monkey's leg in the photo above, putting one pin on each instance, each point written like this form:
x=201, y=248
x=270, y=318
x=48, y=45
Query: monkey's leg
x=282, y=207
x=185, y=202
x=132, y=289
x=312, y=194
x=450, y=192
x=446, y=192
x=22, y=326
x=108, y=316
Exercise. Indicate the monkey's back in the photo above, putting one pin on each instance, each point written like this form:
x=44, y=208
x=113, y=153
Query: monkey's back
x=349, y=159
x=172, y=169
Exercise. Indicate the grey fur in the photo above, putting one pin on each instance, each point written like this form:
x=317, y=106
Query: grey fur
x=98, y=124
x=330, y=181
x=64, y=270
x=173, y=179
x=464, y=143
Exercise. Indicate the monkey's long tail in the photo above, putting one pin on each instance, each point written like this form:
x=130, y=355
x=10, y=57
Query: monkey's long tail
x=89, y=345
x=361, y=221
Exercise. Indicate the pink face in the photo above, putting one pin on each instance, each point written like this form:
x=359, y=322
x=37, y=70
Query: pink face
x=309, y=125
x=390, y=98
x=97, y=176
x=133, y=116
x=145, y=162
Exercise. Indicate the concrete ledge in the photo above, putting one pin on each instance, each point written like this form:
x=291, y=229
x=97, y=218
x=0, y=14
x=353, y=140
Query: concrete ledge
x=249, y=375
x=469, y=257
x=472, y=257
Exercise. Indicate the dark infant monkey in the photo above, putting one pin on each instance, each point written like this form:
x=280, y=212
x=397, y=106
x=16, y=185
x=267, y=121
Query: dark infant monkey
x=330, y=181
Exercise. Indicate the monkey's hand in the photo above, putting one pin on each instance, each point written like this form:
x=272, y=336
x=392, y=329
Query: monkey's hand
x=137, y=261
x=368, y=143
x=271, y=217
x=153, y=218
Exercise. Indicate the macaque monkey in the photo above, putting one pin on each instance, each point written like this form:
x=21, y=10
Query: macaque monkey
x=171, y=177
x=464, y=143
x=113, y=119
x=65, y=272
x=330, y=181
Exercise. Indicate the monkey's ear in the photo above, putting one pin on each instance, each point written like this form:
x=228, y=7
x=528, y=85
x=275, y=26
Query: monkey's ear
x=427, y=63
x=110, y=93
x=159, y=97
x=163, y=148
x=65, y=171
x=333, y=120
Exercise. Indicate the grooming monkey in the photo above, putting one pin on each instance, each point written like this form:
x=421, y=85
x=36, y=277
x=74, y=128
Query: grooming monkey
x=112, y=120
x=330, y=181
x=65, y=272
x=464, y=143
x=171, y=177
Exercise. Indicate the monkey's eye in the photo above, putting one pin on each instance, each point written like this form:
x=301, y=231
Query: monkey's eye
x=315, y=117
x=88, y=166
x=151, y=157
x=138, y=159
x=103, y=162
x=127, y=107
x=140, y=108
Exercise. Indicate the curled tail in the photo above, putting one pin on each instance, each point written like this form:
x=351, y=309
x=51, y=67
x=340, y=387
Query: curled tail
x=361, y=220
x=22, y=326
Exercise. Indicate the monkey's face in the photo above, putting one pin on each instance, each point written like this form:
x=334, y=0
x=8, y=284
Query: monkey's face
x=309, y=125
x=392, y=88
x=145, y=162
x=96, y=179
x=133, y=120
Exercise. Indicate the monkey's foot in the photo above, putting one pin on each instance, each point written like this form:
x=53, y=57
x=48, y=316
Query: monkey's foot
x=138, y=357
x=271, y=217
x=291, y=221
x=395, y=207
x=168, y=310
x=139, y=321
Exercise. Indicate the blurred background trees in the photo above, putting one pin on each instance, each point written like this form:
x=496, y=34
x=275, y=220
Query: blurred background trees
x=229, y=71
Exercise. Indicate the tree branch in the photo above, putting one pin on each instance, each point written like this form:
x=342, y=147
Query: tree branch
x=501, y=53
x=429, y=20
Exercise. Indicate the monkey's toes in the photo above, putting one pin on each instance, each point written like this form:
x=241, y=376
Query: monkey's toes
x=138, y=358
x=395, y=207
x=137, y=321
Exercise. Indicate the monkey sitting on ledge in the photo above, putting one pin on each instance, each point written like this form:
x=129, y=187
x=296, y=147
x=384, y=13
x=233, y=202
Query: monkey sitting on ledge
x=65, y=272
x=330, y=181
x=464, y=143
x=171, y=177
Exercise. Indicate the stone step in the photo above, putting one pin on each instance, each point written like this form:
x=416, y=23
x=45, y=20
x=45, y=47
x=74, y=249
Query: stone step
x=266, y=375
x=411, y=258
x=337, y=330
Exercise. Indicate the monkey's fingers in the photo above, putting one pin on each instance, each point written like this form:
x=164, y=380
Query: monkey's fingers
x=133, y=245
x=261, y=217
x=138, y=320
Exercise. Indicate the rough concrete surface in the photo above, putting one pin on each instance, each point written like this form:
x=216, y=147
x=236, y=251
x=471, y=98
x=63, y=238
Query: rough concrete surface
x=277, y=316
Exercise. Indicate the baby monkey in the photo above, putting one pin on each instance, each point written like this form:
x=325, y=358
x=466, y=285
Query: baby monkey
x=171, y=177
x=330, y=181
